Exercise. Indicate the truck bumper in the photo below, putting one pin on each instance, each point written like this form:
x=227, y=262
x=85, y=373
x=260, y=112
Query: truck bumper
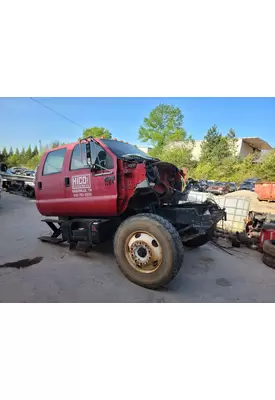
x=201, y=217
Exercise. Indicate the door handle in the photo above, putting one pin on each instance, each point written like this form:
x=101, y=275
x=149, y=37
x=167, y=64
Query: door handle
x=67, y=182
x=39, y=185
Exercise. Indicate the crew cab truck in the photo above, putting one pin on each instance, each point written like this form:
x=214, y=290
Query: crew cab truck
x=102, y=189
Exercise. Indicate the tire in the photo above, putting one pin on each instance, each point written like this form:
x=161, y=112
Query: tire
x=148, y=250
x=199, y=240
x=268, y=260
x=269, y=247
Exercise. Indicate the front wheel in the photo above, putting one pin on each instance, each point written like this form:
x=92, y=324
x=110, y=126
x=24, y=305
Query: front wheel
x=148, y=250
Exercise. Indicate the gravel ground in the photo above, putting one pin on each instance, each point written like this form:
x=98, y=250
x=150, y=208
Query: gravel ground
x=208, y=275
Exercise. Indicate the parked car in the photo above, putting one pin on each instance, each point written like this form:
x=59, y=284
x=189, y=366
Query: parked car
x=233, y=186
x=249, y=184
x=218, y=188
x=203, y=184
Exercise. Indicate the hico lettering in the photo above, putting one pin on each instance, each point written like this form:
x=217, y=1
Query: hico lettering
x=81, y=182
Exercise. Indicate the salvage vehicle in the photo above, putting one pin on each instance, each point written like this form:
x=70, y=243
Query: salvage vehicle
x=218, y=188
x=232, y=187
x=249, y=184
x=102, y=189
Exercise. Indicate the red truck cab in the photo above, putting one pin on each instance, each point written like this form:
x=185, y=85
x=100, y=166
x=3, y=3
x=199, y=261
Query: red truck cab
x=65, y=183
x=67, y=186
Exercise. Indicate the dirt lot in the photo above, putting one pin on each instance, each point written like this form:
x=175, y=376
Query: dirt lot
x=255, y=205
x=208, y=275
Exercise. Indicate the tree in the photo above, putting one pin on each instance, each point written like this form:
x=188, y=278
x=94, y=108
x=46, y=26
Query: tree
x=215, y=147
x=14, y=160
x=35, y=151
x=266, y=170
x=232, y=140
x=11, y=152
x=180, y=155
x=96, y=132
x=4, y=154
x=28, y=154
x=164, y=124
x=22, y=155
x=33, y=162
x=54, y=144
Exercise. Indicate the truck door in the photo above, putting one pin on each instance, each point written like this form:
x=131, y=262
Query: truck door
x=91, y=193
x=49, y=186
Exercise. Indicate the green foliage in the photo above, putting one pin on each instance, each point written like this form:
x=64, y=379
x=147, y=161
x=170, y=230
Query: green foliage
x=28, y=154
x=54, y=144
x=96, y=132
x=215, y=147
x=35, y=151
x=180, y=155
x=164, y=125
x=28, y=158
x=267, y=169
x=4, y=154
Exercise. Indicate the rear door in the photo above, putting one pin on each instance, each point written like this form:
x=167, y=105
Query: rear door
x=91, y=193
x=49, y=183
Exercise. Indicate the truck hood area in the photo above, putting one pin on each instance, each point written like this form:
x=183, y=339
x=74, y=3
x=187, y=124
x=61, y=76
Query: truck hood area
x=164, y=178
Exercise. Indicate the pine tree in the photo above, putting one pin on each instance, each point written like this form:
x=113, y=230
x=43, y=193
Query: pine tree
x=23, y=156
x=35, y=151
x=28, y=154
x=11, y=152
x=4, y=154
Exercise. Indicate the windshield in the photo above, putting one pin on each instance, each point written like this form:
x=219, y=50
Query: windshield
x=218, y=184
x=121, y=149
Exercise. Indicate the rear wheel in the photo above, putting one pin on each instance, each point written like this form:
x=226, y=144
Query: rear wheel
x=148, y=250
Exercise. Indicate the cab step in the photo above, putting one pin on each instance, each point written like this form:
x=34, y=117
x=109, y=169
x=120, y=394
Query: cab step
x=51, y=239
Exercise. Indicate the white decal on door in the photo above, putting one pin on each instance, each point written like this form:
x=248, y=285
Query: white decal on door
x=82, y=184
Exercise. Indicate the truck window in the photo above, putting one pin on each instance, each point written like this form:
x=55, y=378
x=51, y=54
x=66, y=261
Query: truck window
x=101, y=159
x=79, y=160
x=54, y=161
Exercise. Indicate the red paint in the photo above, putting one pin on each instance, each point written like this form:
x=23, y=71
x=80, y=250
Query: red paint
x=265, y=191
x=267, y=233
x=105, y=193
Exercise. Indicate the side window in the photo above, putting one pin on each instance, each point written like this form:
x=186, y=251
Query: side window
x=101, y=159
x=79, y=159
x=54, y=161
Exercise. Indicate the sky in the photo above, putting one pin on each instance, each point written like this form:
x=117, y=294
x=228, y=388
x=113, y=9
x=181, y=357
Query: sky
x=24, y=122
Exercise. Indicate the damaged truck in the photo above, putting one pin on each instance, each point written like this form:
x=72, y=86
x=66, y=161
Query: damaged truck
x=97, y=190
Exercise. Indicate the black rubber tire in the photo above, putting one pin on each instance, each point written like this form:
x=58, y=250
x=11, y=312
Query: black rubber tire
x=169, y=240
x=269, y=247
x=268, y=260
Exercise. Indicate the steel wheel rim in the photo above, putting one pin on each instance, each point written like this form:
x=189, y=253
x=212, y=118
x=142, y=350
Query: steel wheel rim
x=143, y=252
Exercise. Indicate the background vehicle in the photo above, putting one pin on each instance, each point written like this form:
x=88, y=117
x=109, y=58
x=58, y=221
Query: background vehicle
x=104, y=189
x=249, y=184
x=218, y=188
x=232, y=187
